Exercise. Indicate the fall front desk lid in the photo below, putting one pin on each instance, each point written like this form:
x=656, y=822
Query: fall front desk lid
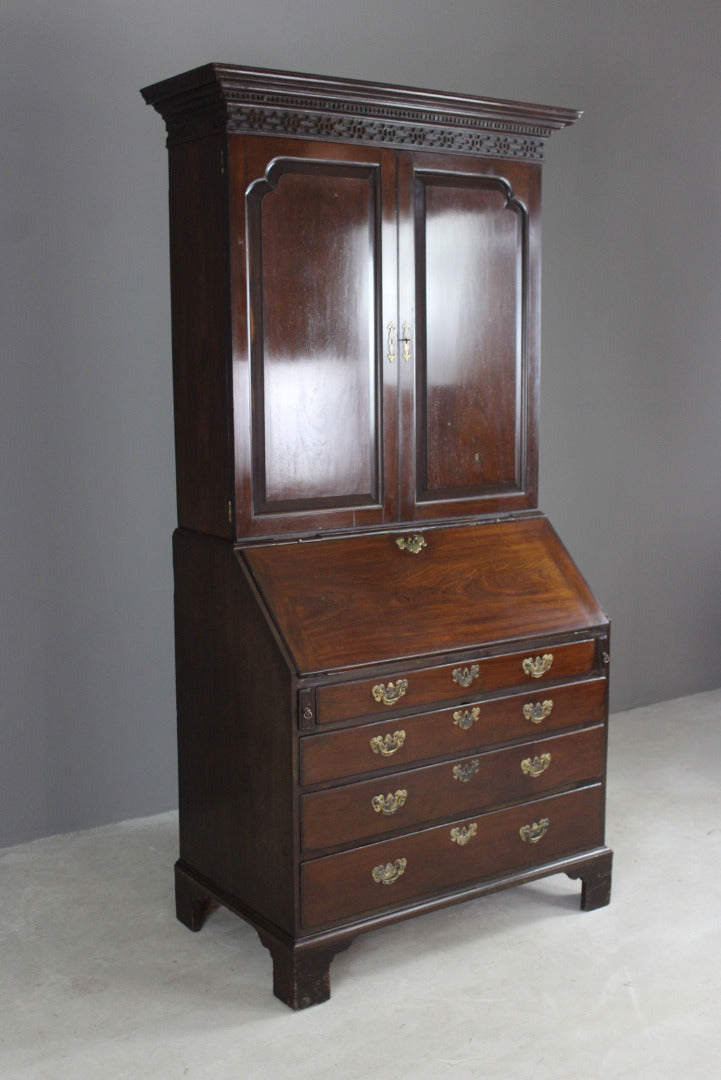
x=349, y=601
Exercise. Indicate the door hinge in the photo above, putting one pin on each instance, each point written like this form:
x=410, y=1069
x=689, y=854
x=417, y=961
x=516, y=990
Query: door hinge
x=230, y=511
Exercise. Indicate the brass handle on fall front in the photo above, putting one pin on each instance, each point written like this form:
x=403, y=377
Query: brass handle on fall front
x=391, y=693
x=463, y=833
x=388, y=804
x=538, y=666
x=531, y=834
x=386, y=875
x=466, y=718
x=391, y=343
x=538, y=712
x=465, y=676
x=535, y=766
x=414, y=544
x=386, y=745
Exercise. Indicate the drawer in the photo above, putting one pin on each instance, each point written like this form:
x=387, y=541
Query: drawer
x=448, y=682
x=441, y=859
x=406, y=800
x=335, y=755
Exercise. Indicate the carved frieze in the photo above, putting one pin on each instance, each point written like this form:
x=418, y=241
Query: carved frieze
x=222, y=98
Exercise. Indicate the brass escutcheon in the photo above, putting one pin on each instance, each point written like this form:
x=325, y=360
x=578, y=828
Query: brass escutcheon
x=538, y=666
x=414, y=544
x=536, y=766
x=391, y=693
x=391, y=343
x=386, y=875
x=466, y=718
x=463, y=833
x=466, y=770
x=465, y=676
x=538, y=712
x=388, y=804
x=388, y=744
x=531, y=834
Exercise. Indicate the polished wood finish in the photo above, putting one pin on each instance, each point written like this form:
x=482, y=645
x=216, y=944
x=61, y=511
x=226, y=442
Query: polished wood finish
x=340, y=219
x=470, y=585
x=336, y=755
x=345, y=700
x=342, y=886
x=392, y=681
x=346, y=814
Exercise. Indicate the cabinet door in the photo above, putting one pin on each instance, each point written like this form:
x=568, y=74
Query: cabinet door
x=468, y=293
x=314, y=237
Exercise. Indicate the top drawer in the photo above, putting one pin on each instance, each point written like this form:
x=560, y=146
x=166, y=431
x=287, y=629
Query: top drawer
x=450, y=682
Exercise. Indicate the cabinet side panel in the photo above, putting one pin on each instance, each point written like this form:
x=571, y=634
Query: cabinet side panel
x=235, y=745
x=199, y=292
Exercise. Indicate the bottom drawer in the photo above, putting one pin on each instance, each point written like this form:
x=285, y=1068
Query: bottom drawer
x=436, y=860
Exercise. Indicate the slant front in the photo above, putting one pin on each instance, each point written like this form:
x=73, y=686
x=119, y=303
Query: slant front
x=363, y=599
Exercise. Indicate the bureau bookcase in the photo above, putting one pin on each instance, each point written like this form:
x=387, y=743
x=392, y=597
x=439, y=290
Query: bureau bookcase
x=392, y=681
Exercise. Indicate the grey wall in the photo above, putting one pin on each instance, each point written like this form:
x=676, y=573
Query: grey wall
x=631, y=440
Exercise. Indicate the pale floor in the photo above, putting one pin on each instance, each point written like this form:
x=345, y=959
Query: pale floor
x=99, y=981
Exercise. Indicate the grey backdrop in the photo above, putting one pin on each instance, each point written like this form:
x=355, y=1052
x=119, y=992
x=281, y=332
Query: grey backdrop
x=631, y=389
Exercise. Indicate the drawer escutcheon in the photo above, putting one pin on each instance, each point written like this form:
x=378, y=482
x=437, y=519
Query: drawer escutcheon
x=466, y=770
x=386, y=875
x=465, y=676
x=463, y=833
x=391, y=693
x=538, y=712
x=466, y=718
x=389, y=744
x=531, y=834
x=388, y=804
x=538, y=666
x=535, y=766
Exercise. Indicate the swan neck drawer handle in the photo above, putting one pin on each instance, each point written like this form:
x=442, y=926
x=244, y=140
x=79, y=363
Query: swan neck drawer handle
x=531, y=834
x=537, y=666
x=389, y=744
x=535, y=766
x=390, y=694
x=388, y=804
x=538, y=712
x=388, y=873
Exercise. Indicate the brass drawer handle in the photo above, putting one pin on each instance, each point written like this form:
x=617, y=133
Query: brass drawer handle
x=414, y=544
x=538, y=712
x=386, y=875
x=388, y=804
x=465, y=676
x=466, y=718
x=536, y=766
x=531, y=834
x=463, y=833
x=538, y=666
x=465, y=771
x=391, y=693
x=388, y=744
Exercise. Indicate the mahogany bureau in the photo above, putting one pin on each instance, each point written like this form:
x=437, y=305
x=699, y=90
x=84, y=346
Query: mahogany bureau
x=392, y=681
